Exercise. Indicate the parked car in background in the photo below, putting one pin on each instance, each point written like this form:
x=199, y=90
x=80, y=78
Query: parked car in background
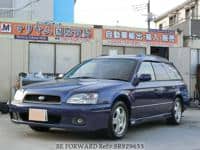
x=109, y=92
x=30, y=78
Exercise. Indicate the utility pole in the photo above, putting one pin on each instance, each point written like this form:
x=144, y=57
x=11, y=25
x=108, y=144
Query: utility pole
x=149, y=15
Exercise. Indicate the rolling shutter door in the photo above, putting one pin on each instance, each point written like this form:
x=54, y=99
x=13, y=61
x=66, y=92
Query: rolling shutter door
x=67, y=56
x=108, y=49
x=134, y=50
x=41, y=58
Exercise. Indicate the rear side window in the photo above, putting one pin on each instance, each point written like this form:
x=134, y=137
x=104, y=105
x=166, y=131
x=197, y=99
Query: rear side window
x=160, y=71
x=146, y=68
x=172, y=72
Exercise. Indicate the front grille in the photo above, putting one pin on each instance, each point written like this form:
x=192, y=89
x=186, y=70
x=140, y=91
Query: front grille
x=42, y=99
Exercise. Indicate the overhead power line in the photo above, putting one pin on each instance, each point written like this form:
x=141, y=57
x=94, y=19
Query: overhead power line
x=145, y=7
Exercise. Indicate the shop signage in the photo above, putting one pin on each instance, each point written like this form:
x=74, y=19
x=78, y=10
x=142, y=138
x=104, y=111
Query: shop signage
x=6, y=28
x=43, y=31
x=163, y=31
x=29, y=37
x=138, y=38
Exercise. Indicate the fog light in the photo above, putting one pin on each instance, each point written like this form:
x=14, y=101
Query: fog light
x=78, y=121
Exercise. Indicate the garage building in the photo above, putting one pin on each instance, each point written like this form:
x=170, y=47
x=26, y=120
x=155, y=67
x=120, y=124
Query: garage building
x=55, y=48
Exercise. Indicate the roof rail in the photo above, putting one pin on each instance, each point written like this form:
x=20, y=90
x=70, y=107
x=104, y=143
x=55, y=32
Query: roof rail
x=140, y=55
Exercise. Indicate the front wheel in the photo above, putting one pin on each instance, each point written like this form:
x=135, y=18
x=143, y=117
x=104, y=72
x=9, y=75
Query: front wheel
x=118, y=121
x=176, y=113
x=40, y=129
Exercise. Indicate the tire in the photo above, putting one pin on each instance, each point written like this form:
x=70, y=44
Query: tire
x=39, y=129
x=177, y=110
x=118, y=121
x=4, y=109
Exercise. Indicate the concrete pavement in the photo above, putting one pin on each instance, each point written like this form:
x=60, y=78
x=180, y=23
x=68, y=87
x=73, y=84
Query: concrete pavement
x=155, y=135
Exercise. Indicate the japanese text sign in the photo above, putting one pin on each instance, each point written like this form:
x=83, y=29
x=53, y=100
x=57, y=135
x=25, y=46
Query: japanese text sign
x=132, y=37
x=41, y=31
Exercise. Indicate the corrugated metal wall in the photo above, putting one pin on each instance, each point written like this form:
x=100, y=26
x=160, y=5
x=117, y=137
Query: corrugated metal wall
x=13, y=56
x=181, y=57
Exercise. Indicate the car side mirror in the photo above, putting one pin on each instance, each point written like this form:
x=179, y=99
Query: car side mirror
x=59, y=76
x=144, y=77
x=23, y=74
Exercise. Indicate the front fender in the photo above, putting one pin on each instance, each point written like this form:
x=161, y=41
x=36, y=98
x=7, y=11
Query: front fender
x=123, y=95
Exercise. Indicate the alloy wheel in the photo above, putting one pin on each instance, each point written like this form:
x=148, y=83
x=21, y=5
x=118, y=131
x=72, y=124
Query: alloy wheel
x=177, y=111
x=119, y=120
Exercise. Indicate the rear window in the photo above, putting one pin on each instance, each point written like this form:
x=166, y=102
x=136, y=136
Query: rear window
x=172, y=72
x=160, y=71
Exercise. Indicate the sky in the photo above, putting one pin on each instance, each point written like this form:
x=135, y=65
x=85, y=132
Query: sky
x=120, y=12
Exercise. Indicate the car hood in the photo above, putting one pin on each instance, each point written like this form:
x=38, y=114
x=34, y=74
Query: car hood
x=59, y=87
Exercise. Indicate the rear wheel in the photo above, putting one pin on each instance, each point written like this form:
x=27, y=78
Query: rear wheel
x=118, y=122
x=40, y=129
x=176, y=112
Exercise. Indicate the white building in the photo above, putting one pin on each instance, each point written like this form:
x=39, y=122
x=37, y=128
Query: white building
x=185, y=19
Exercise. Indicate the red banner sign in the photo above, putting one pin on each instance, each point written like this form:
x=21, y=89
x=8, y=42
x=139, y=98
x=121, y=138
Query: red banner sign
x=135, y=37
x=41, y=31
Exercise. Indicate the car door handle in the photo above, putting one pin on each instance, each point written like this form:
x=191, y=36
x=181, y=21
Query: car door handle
x=173, y=87
x=159, y=90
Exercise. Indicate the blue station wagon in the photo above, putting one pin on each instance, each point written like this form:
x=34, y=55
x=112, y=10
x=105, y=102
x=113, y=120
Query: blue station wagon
x=108, y=92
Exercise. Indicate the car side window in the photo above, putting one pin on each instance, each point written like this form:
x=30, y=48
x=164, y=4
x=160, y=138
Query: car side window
x=172, y=72
x=146, y=68
x=160, y=72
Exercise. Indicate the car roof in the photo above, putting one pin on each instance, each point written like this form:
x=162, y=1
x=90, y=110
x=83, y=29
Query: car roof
x=138, y=57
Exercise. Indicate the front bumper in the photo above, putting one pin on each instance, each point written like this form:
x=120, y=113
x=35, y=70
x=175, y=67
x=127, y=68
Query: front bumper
x=62, y=116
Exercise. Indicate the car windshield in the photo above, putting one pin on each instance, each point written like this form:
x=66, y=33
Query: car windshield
x=111, y=69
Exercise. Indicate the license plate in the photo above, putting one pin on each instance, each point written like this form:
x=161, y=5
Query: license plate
x=38, y=115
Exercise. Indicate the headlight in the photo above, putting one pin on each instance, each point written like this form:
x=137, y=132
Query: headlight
x=83, y=98
x=19, y=96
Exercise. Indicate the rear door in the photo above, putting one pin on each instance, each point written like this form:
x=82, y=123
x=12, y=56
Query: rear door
x=173, y=85
x=166, y=88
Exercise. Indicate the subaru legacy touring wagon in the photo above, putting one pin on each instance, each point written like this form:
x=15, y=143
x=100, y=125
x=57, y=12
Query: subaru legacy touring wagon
x=108, y=93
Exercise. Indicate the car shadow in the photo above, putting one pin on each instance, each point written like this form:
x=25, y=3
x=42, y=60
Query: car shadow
x=63, y=135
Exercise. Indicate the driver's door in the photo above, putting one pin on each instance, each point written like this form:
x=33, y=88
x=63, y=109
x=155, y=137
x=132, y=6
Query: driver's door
x=146, y=94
